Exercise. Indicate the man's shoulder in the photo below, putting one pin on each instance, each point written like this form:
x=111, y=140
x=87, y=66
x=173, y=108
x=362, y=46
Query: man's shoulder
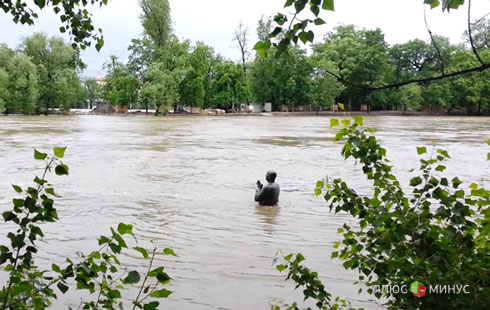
x=273, y=185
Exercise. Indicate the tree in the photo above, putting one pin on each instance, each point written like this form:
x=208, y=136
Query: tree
x=23, y=91
x=5, y=55
x=162, y=87
x=358, y=56
x=121, y=88
x=18, y=82
x=411, y=59
x=156, y=20
x=155, y=46
x=324, y=90
x=297, y=30
x=241, y=39
x=4, y=78
x=481, y=34
x=192, y=89
x=470, y=92
x=293, y=77
x=262, y=80
x=58, y=66
x=264, y=27
x=410, y=97
x=68, y=91
x=282, y=78
x=93, y=92
x=74, y=15
x=227, y=85
x=142, y=54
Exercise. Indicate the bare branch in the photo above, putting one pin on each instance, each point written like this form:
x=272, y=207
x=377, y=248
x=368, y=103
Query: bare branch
x=478, y=21
x=475, y=51
x=434, y=43
x=241, y=37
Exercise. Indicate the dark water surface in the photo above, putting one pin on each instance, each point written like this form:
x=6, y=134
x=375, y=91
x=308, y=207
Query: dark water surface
x=188, y=183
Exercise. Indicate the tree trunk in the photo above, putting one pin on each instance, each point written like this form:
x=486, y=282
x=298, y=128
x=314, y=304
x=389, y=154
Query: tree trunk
x=157, y=108
x=146, y=106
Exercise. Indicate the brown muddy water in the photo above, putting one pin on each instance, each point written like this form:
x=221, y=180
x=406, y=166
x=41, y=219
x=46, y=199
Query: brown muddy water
x=188, y=183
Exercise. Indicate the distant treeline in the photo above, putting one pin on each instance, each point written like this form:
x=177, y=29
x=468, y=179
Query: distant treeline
x=40, y=75
x=165, y=72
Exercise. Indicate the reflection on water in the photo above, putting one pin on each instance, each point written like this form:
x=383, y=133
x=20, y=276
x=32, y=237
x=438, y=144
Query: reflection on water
x=188, y=183
x=268, y=216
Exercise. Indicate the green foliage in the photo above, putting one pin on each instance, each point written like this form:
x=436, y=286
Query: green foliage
x=73, y=14
x=291, y=29
x=438, y=233
x=4, y=83
x=227, y=84
x=57, y=67
x=161, y=87
x=41, y=75
x=359, y=56
x=283, y=78
x=156, y=21
x=93, y=92
x=312, y=287
x=291, y=77
x=100, y=273
x=18, y=81
x=122, y=85
x=196, y=70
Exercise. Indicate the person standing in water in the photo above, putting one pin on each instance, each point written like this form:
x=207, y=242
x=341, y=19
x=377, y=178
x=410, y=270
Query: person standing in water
x=268, y=195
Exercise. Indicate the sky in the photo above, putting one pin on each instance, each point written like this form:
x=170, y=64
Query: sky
x=213, y=22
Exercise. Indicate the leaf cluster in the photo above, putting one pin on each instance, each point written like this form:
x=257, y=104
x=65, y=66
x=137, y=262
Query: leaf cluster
x=73, y=14
x=295, y=30
x=100, y=273
x=438, y=232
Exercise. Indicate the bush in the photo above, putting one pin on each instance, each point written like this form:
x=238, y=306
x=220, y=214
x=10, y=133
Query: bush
x=436, y=237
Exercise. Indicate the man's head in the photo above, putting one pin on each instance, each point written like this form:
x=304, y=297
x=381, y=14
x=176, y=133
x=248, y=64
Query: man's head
x=270, y=176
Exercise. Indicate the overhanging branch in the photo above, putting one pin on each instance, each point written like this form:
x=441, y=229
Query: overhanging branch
x=434, y=42
x=475, y=51
x=424, y=80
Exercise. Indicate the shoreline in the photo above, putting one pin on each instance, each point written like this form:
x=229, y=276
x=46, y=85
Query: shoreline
x=276, y=114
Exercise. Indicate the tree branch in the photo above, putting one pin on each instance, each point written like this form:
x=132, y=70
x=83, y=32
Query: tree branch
x=413, y=81
x=434, y=42
x=484, y=16
x=475, y=51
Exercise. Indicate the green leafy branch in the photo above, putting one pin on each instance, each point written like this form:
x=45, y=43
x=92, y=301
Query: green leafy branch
x=439, y=233
x=297, y=31
x=308, y=280
x=100, y=273
x=72, y=13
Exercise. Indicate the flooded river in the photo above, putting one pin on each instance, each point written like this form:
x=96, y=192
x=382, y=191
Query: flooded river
x=188, y=183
